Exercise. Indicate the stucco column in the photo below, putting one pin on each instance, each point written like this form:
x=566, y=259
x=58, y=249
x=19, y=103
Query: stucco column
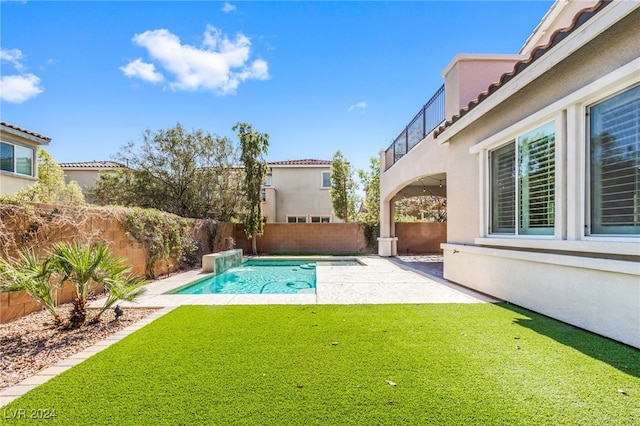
x=387, y=243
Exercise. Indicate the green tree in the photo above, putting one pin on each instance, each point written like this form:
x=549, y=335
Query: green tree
x=51, y=187
x=426, y=208
x=85, y=267
x=370, y=217
x=371, y=181
x=190, y=174
x=343, y=188
x=253, y=146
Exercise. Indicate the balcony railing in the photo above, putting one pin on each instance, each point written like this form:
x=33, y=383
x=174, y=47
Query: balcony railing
x=429, y=117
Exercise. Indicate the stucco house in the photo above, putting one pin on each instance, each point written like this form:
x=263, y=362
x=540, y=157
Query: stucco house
x=540, y=155
x=87, y=173
x=297, y=191
x=18, y=157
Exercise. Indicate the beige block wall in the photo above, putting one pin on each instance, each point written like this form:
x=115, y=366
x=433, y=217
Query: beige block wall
x=16, y=304
x=338, y=238
x=420, y=237
x=278, y=238
x=306, y=238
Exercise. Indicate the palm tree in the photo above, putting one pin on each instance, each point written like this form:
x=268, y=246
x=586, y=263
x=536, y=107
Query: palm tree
x=85, y=266
x=32, y=275
x=122, y=287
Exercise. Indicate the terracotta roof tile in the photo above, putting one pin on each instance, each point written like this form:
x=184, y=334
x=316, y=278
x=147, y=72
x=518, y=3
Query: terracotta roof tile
x=303, y=162
x=559, y=35
x=29, y=132
x=91, y=165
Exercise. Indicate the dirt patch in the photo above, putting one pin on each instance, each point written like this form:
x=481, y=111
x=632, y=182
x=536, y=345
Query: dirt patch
x=32, y=343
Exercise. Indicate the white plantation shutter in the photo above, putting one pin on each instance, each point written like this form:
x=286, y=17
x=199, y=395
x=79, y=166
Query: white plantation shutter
x=503, y=189
x=523, y=184
x=537, y=181
x=615, y=164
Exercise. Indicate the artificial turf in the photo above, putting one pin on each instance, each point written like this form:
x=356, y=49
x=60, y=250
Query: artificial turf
x=365, y=364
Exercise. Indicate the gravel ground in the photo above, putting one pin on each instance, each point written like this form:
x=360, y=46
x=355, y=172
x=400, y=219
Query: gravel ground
x=31, y=343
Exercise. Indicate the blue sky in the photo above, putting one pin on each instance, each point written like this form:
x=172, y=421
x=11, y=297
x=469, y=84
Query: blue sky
x=316, y=76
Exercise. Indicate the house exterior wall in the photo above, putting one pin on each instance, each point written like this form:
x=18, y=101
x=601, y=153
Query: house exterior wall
x=589, y=281
x=298, y=192
x=84, y=178
x=11, y=183
x=470, y=74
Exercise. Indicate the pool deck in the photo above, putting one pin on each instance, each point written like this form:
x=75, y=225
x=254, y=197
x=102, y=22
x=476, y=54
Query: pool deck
x=378, y=280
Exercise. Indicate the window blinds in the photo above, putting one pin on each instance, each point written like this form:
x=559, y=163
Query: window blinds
x=615, y=164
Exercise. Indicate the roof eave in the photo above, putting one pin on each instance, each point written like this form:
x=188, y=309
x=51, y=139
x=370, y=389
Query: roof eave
x=607, y=14
x=31, y=136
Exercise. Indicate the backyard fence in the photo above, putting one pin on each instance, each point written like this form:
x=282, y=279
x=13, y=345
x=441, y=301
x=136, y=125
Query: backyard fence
x=278, y=238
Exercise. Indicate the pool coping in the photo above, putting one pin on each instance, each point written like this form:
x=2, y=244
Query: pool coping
x=245, y=259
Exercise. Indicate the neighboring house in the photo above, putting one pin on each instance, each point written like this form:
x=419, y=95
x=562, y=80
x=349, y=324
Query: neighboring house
x=18, y=157
x=297, y=191
x=86, y=173
x=540, y=153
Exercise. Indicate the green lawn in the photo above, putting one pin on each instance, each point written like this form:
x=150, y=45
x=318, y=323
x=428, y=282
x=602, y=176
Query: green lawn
x=336, y=365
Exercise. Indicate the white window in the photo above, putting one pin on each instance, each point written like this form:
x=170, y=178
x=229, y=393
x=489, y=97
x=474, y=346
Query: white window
x=267, y=180
x=320, y=219
x=326, y=180
x=523, y=184
x=296, y=219
x=16, y=159
x=614, y=136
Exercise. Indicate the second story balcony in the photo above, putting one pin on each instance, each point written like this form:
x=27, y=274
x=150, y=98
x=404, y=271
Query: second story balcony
x=428, y=118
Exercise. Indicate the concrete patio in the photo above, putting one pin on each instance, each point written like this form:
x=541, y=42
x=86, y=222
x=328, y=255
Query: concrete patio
x=377, y=280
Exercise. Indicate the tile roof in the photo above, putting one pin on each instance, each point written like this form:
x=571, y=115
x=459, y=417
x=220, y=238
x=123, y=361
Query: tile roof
x=303, y=162
x=91, y=165
x=559, y=35
x=29, y=132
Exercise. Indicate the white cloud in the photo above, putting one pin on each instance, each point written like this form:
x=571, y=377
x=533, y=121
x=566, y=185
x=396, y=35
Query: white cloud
x=19, y=88
x=362, y=105
x=22, y=86
x=228, y=7
x=142, y=70
x=220, y=65
x=12, y=56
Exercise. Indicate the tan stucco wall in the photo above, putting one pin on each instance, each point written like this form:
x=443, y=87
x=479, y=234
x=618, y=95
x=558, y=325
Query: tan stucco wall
x=568, y=288
x=298, y=192
x=426, y=158
x=11, y=183
x=84, y=178
x=468, y=75
x=599, y=291
x=614, y=48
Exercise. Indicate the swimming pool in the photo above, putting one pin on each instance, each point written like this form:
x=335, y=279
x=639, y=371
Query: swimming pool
x=259, y=277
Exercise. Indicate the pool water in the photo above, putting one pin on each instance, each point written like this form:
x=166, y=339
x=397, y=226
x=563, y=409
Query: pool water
x=259, y=277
